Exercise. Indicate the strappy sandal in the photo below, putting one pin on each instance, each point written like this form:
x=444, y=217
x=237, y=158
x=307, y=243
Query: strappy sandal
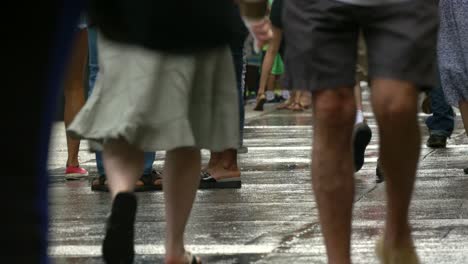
x=261, y=100
x=151, y=182
x=99, y=184
x=296, y=107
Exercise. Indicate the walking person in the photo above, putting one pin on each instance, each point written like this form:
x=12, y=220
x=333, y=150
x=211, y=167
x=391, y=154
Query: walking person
x=155, y=92
x=441, y=123
x=74, y=92
x=322, y=38
x=453, y=55
x=151, y=179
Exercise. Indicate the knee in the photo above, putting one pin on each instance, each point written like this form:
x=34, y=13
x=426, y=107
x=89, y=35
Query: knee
x=334, y=106
x=395, y=107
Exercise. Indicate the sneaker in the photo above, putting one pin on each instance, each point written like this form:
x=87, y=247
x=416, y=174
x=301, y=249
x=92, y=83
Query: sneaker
x=436, y=141
x=465, y=170
x=75, y=172
x=270, y=96
x=118, y=245
x=362, y=137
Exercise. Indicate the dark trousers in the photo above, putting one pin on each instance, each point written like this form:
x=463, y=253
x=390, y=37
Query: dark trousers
x=442, y=120
x=38, y=43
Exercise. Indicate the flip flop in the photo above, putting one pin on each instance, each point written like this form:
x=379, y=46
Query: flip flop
x=209, y=182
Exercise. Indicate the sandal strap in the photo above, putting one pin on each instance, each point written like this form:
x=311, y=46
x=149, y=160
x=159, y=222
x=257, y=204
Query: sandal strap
x=149, y=179
x=101, y=180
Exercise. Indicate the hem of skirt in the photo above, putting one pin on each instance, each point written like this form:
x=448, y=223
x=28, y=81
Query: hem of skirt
x=174, y=135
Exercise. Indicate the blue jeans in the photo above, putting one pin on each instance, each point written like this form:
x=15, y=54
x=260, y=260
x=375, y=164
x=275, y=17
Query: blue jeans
x=442, y=120
x=93, y=72
x=237, y=50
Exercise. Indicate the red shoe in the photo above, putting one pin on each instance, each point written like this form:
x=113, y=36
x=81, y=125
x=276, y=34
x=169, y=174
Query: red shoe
x=75, y=173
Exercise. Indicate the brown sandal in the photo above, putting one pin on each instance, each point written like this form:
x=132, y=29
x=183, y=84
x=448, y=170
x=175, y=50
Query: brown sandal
x=150, y=182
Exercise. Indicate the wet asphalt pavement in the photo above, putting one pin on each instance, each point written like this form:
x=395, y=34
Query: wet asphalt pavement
x=273, y=218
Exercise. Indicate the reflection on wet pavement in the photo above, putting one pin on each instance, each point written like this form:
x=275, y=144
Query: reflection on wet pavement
x=273, y=218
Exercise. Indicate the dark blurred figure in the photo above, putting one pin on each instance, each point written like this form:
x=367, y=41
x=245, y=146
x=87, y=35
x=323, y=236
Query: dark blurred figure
x=38, y=43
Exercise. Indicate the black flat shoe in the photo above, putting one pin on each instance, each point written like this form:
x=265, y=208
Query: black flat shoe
x=362, y=137
x=118, y=245
x=436, y=141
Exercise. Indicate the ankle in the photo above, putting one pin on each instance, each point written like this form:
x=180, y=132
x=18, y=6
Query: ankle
x=398, y=237
x=175, y=254
x=73, y=164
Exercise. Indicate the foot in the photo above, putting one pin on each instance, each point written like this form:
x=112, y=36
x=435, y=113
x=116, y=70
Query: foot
x=220, y=173
x=402, y=255
x=221, y=178
x=261, y=100
x=118, y=244
x=284, y=105
x=187, y=258
x=362, y=137
x=436, y=141
x=296, y=107
x=75, y=172
x=151, y=182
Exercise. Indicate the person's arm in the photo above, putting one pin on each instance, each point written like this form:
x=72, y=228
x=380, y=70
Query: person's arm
x=269, y=59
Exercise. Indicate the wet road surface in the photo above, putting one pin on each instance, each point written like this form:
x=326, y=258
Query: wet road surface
x=273, y=218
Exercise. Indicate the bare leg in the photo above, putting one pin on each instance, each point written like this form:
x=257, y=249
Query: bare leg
x=74, y=91
x=395, y=106
x=358, y=96
x=124, y=165
x=332, y=168
x=180, y=181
